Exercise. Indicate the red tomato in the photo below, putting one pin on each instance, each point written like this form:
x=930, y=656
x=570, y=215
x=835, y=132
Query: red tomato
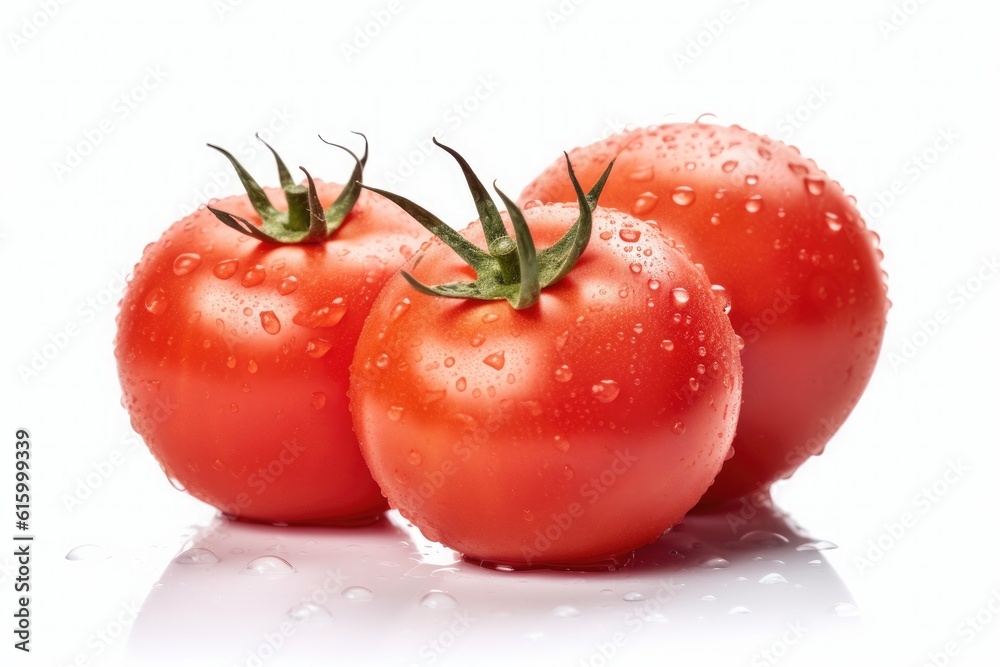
x=233, y=354
x=803, y=271
x=562, y=434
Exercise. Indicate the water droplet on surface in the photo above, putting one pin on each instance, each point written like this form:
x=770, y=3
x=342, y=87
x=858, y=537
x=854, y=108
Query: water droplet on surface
x=399, y=309
x=324, y=316
x=477, y=340
x=722, y=296
x=268, y=565
x=693, y=383
x=754, y=203
x=845, y=610
x=683, y=195
x=709, y=598
x=751, y=179
x=225, y=269
x=634, y=597
x=156, y=301
x=490, y=317
x=605, y=391
x=254, y=276
x=88, y=552
x=186, y=263
x=357, y=594
x=605, y=235
x=815, y=186
x=309, y=611
x=449, y=362
x=738, y=611
x=197, y=556
x=819, y=545
x=635, y=267
x=645, y=203
x=773, y=578
x=815, y=563
x=833, y=221
x=382, y=360
x=317, y=347
x=630, y=235
x=394, y=413
x=714, y=563
x=679, y=428
x=495, y=360
x=667, y=345
x=437, y=599
x=654, y=284
x=729, y=165
x=270, y=322
x=561, y=443
x=763, y=538
x=680, y=295
x=563, y=374
x=288, y=285
x=565, y=611
x=252, y=366
x=740, y=342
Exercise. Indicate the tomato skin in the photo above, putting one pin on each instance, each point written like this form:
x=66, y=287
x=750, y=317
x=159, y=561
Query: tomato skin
x=229, y=375
x=486, y=427
x=809, y=297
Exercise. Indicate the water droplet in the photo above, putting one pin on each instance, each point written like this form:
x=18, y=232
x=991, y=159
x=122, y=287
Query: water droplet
x=231, y=361
x=563, y=374
x=186, y=263
x=531, y=204
x=88, y=552
x=495, y=360
x=714, y=563
x=722, y=296
x=709, y=598
x=634, y=597
x=357, y=594
x=324, y=316
x=461, y=384
x=816, y=562
x=739, y=611
x=288, y=285
x=309, y=611
x=399, y=309
x=740, y=343
x=845, y=610
x=729, y=165
x=477, y=340
x=318, y=400
x=234, y=407
x=490, y=317
x=679, y=428
x=248, y=311
x=394, y=413
x=270, y=322
x=635, y=267
x=268, y=565
x=816, y=186
x=629, y=235
x=763, y=538
x=833, y=221
x=645, y=203
x=225, y=269
x=754, y=203
x=605, y=391
x=382, y=360
x=605, y=235
x=715, y=219
x=731, y=452
x=642, y=173
x=565, y=611
x=197, y=556
x=437, y=599
x=773, y=578
x=751, y=179
x=254, y=276
x=683, y=195
x=680, y=295
x=798, y=169
x=819, y=545
x=654, y=284
x=561, y=443
x=667, y=345
x=449, y=362
x=317, y=347
x=156, y=300
x=414, y=457
x=252, y=366
x=693, y=383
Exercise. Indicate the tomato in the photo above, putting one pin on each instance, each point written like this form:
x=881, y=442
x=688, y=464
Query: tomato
x=233, y=352
x=565, y=431
x=808, y=295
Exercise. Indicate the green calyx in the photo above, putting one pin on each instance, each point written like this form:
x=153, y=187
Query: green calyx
x=305, y=221
x=510, y=268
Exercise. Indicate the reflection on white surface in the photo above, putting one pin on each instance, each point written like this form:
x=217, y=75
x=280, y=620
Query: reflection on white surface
x=716, y=589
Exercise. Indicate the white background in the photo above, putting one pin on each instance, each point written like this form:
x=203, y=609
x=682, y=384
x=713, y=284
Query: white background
x=107, y=109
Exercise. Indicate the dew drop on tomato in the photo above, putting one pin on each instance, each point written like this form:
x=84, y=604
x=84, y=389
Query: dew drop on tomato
x=729, y=165
x=605, y=235
x=754, y=203
x=270, y=322
x=683, y=195
x=605, y=391
x=561, y=443
x=253, y=277
x=629, y=235
x=399, y=309
x=679, y=428
x=186, y=263
x=654, y=284
x=394, y=413
x=645, y=203
x=563, y=374
x=156, y=301
x=815, y=186
x=667, y=345
x=288, y=285
x=680, y=295
x=317, y=347
x=722, y=296
x=357, y=594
